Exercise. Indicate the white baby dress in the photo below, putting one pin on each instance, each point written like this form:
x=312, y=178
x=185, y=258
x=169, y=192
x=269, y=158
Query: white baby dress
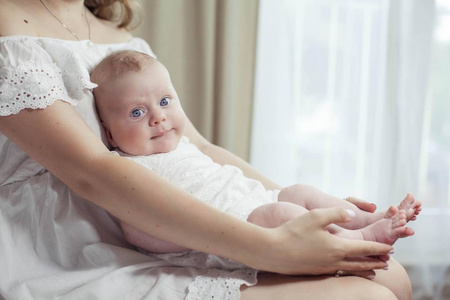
x=53, y=243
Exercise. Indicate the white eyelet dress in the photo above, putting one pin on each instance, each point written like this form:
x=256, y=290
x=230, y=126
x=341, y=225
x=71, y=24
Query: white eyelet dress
x=53, y=243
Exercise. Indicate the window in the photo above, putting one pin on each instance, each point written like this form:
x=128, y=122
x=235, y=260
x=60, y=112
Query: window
x=437, y=176
x=349, y=108
x=353, y=97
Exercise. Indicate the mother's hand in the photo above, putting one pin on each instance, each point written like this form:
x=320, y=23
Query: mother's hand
x=362, y=204
x=303, y=246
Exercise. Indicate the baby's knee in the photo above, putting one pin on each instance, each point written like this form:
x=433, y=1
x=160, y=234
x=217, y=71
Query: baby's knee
x=272, y=215
x=295, y=191
x=295, y=188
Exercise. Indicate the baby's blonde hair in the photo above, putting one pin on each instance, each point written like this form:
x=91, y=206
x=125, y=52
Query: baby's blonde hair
x=118, y=64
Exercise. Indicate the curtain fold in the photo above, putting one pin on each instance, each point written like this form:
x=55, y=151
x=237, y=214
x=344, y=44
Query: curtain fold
x=410, y=40
x=347, y=106
x=208, y=47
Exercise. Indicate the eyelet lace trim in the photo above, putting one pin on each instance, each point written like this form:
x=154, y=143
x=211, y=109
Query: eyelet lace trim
x=221, y=284
x=33, y=85
x=223, y=277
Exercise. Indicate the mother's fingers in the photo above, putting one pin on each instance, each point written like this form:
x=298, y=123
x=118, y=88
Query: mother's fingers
x=323, y=217
x=355, y=248
x=362, y=263
x=370, y=274
x=359, y=266
x=385, y=257
x=362, y=204
x=304, y=246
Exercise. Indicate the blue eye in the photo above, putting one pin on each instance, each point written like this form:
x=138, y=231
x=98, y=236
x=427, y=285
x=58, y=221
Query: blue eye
x=164, y=101
x=136, y=113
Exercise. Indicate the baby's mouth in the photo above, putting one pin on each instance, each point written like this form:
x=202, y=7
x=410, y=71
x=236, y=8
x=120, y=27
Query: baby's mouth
x=160, y=134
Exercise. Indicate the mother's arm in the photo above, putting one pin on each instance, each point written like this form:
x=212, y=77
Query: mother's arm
x=60, y=140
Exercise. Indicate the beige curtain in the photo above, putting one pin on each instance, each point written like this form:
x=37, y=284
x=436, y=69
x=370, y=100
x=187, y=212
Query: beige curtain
x=208, y=47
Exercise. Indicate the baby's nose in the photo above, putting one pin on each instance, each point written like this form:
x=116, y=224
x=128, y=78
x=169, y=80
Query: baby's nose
x=157, y=119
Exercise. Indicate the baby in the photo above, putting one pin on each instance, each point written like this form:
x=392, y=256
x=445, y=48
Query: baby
x=144, y=121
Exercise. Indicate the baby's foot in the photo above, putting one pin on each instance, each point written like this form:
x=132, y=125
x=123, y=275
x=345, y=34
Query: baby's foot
x=411, y=207
x=388, y=229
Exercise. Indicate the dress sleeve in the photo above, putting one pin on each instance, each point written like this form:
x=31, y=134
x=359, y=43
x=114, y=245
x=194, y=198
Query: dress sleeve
x=31, y=77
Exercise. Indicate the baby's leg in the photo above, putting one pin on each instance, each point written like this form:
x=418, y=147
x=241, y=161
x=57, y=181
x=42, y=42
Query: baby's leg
x=275, y=214
x=147, y=242
x=411, y=207
x=386, y=230
x=312, y=198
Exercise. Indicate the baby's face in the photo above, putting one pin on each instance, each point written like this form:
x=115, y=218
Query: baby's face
x=142, y=113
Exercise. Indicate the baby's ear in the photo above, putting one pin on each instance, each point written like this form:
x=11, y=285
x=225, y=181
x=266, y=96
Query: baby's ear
x=109, y=135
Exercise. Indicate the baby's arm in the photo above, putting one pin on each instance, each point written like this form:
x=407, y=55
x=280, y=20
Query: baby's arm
x=223, y=156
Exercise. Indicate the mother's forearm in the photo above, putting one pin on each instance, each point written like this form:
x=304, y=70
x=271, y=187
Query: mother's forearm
x=144, y=200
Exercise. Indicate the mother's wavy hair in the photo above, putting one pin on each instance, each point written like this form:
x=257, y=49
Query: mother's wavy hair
x=123, y=12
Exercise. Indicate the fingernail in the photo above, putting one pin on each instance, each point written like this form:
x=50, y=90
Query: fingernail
x=386, y=268
x=351, y=213
x=371, y=277
x=391, y=252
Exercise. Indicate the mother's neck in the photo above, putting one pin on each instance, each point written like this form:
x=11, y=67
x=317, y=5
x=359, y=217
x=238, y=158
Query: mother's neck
x=63, y=7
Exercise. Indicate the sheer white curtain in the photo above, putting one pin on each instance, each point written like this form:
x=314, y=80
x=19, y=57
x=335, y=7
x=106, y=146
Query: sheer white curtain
x=351, y=96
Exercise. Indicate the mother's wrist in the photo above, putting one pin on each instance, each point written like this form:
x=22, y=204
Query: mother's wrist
x=254, y=248
x=263, y=249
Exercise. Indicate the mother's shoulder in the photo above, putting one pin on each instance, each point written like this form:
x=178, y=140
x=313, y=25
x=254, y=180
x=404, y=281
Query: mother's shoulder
x=16, y=19
x=27, y=18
